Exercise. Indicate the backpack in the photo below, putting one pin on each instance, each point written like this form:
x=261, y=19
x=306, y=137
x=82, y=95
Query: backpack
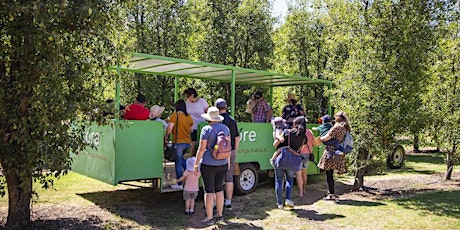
x=223, y=148
x=347, y=145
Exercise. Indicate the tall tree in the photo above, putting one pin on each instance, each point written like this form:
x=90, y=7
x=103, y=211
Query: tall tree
x=385, y=71
x=160, y=27
x=300, y=51
x=53, y=56
x=443, y=98
x=236, y=33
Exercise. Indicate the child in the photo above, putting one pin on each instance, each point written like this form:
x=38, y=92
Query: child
x=323, y=130
x=191, y=188
x=279, y=124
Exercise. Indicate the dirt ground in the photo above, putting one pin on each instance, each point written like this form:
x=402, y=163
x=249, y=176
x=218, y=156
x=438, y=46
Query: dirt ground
x=95, y=216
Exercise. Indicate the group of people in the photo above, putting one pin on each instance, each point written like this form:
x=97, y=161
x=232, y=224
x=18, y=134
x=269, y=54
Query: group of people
x=289, y=130
x=183, y=125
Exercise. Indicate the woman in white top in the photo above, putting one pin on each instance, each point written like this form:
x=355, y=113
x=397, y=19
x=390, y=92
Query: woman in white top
x=195, y=107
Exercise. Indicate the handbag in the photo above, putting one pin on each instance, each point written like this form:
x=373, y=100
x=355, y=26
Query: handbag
x=170, y=152
x=288, y=159
x=170, y=148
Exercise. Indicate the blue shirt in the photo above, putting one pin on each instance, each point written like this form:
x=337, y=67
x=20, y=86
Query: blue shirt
x=209, y=132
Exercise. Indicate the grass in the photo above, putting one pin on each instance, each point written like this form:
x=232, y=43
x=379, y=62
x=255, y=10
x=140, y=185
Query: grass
x=142, y=208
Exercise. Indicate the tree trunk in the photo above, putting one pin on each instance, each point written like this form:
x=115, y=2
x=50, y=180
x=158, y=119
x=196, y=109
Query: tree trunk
x=359, y=179
x=362, y=158
x=416, y=143
x=450, y=165
x=19, y=197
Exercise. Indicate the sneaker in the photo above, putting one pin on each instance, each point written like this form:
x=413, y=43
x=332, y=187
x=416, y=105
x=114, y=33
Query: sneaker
x=228, y=207
x=177, y=186
x=191, y=212
x=220, y=219
x=208, y=222
x=330, y=197
x=289, y=203
x=280, y=206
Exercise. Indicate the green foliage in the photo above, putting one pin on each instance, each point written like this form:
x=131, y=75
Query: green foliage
x=234, y=33
x=53, y=72
x=299, y=51
x=443, y=97
x=379, y=56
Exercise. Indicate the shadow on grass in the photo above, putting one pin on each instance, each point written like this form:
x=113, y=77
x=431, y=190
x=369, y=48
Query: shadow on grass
x=62, y=223
x=161, y=210
x=435, y=159
x=425, y=158
x=314, y=215
x=444, y=203
x=142, y=205
x=359, y=203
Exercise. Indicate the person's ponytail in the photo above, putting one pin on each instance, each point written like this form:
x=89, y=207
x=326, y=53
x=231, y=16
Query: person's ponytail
x=299, y=125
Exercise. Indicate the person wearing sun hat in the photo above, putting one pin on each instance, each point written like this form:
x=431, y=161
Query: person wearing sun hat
x=155, y=115
x=292, y=110
x=212, y=171
x=232, y=125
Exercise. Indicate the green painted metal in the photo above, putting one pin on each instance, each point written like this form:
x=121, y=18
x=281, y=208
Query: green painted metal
x=98, y=159
x=256, y=146
x=122, y=151
x=133, y=150
x=232, y=100
x=166, y=66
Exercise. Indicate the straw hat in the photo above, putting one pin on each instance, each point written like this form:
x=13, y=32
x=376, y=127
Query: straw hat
x=291, y=96
x=212, y=115
x=156, y=111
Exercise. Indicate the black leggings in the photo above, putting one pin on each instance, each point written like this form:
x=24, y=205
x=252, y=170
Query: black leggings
x=213, y=177
x=330, y=180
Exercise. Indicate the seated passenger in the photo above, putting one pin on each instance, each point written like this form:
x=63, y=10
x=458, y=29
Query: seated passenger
x=137, y=110
x=155, y=115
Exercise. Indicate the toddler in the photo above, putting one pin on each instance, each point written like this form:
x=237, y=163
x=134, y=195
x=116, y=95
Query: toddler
x=323, y=129
x=191, y=188
x=279, y=124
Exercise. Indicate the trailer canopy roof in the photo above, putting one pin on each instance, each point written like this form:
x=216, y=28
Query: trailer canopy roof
x=166, y=66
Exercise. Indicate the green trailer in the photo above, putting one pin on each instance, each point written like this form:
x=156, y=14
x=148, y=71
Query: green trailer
x=126, y=150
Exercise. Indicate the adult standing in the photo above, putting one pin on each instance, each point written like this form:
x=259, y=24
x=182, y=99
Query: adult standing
x=301, y=175
x=212, y=170
x=180, y=123
x=195, y=107
x=137, y=110
x=292, y=110
x=221, y=104
x=294, y=138
x=338, y=131
x=262, y=112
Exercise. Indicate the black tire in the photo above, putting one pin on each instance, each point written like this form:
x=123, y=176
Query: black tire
x=248, y=179
x=395, y=158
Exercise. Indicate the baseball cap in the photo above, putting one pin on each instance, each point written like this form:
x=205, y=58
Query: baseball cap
x=221, y=103
x=326, y=118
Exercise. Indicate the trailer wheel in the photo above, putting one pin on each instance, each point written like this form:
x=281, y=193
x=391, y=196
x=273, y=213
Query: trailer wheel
x=246, y=182
x=395, y=158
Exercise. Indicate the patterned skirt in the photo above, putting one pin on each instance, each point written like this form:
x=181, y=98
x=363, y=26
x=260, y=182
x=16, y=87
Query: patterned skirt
x=336, y=163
